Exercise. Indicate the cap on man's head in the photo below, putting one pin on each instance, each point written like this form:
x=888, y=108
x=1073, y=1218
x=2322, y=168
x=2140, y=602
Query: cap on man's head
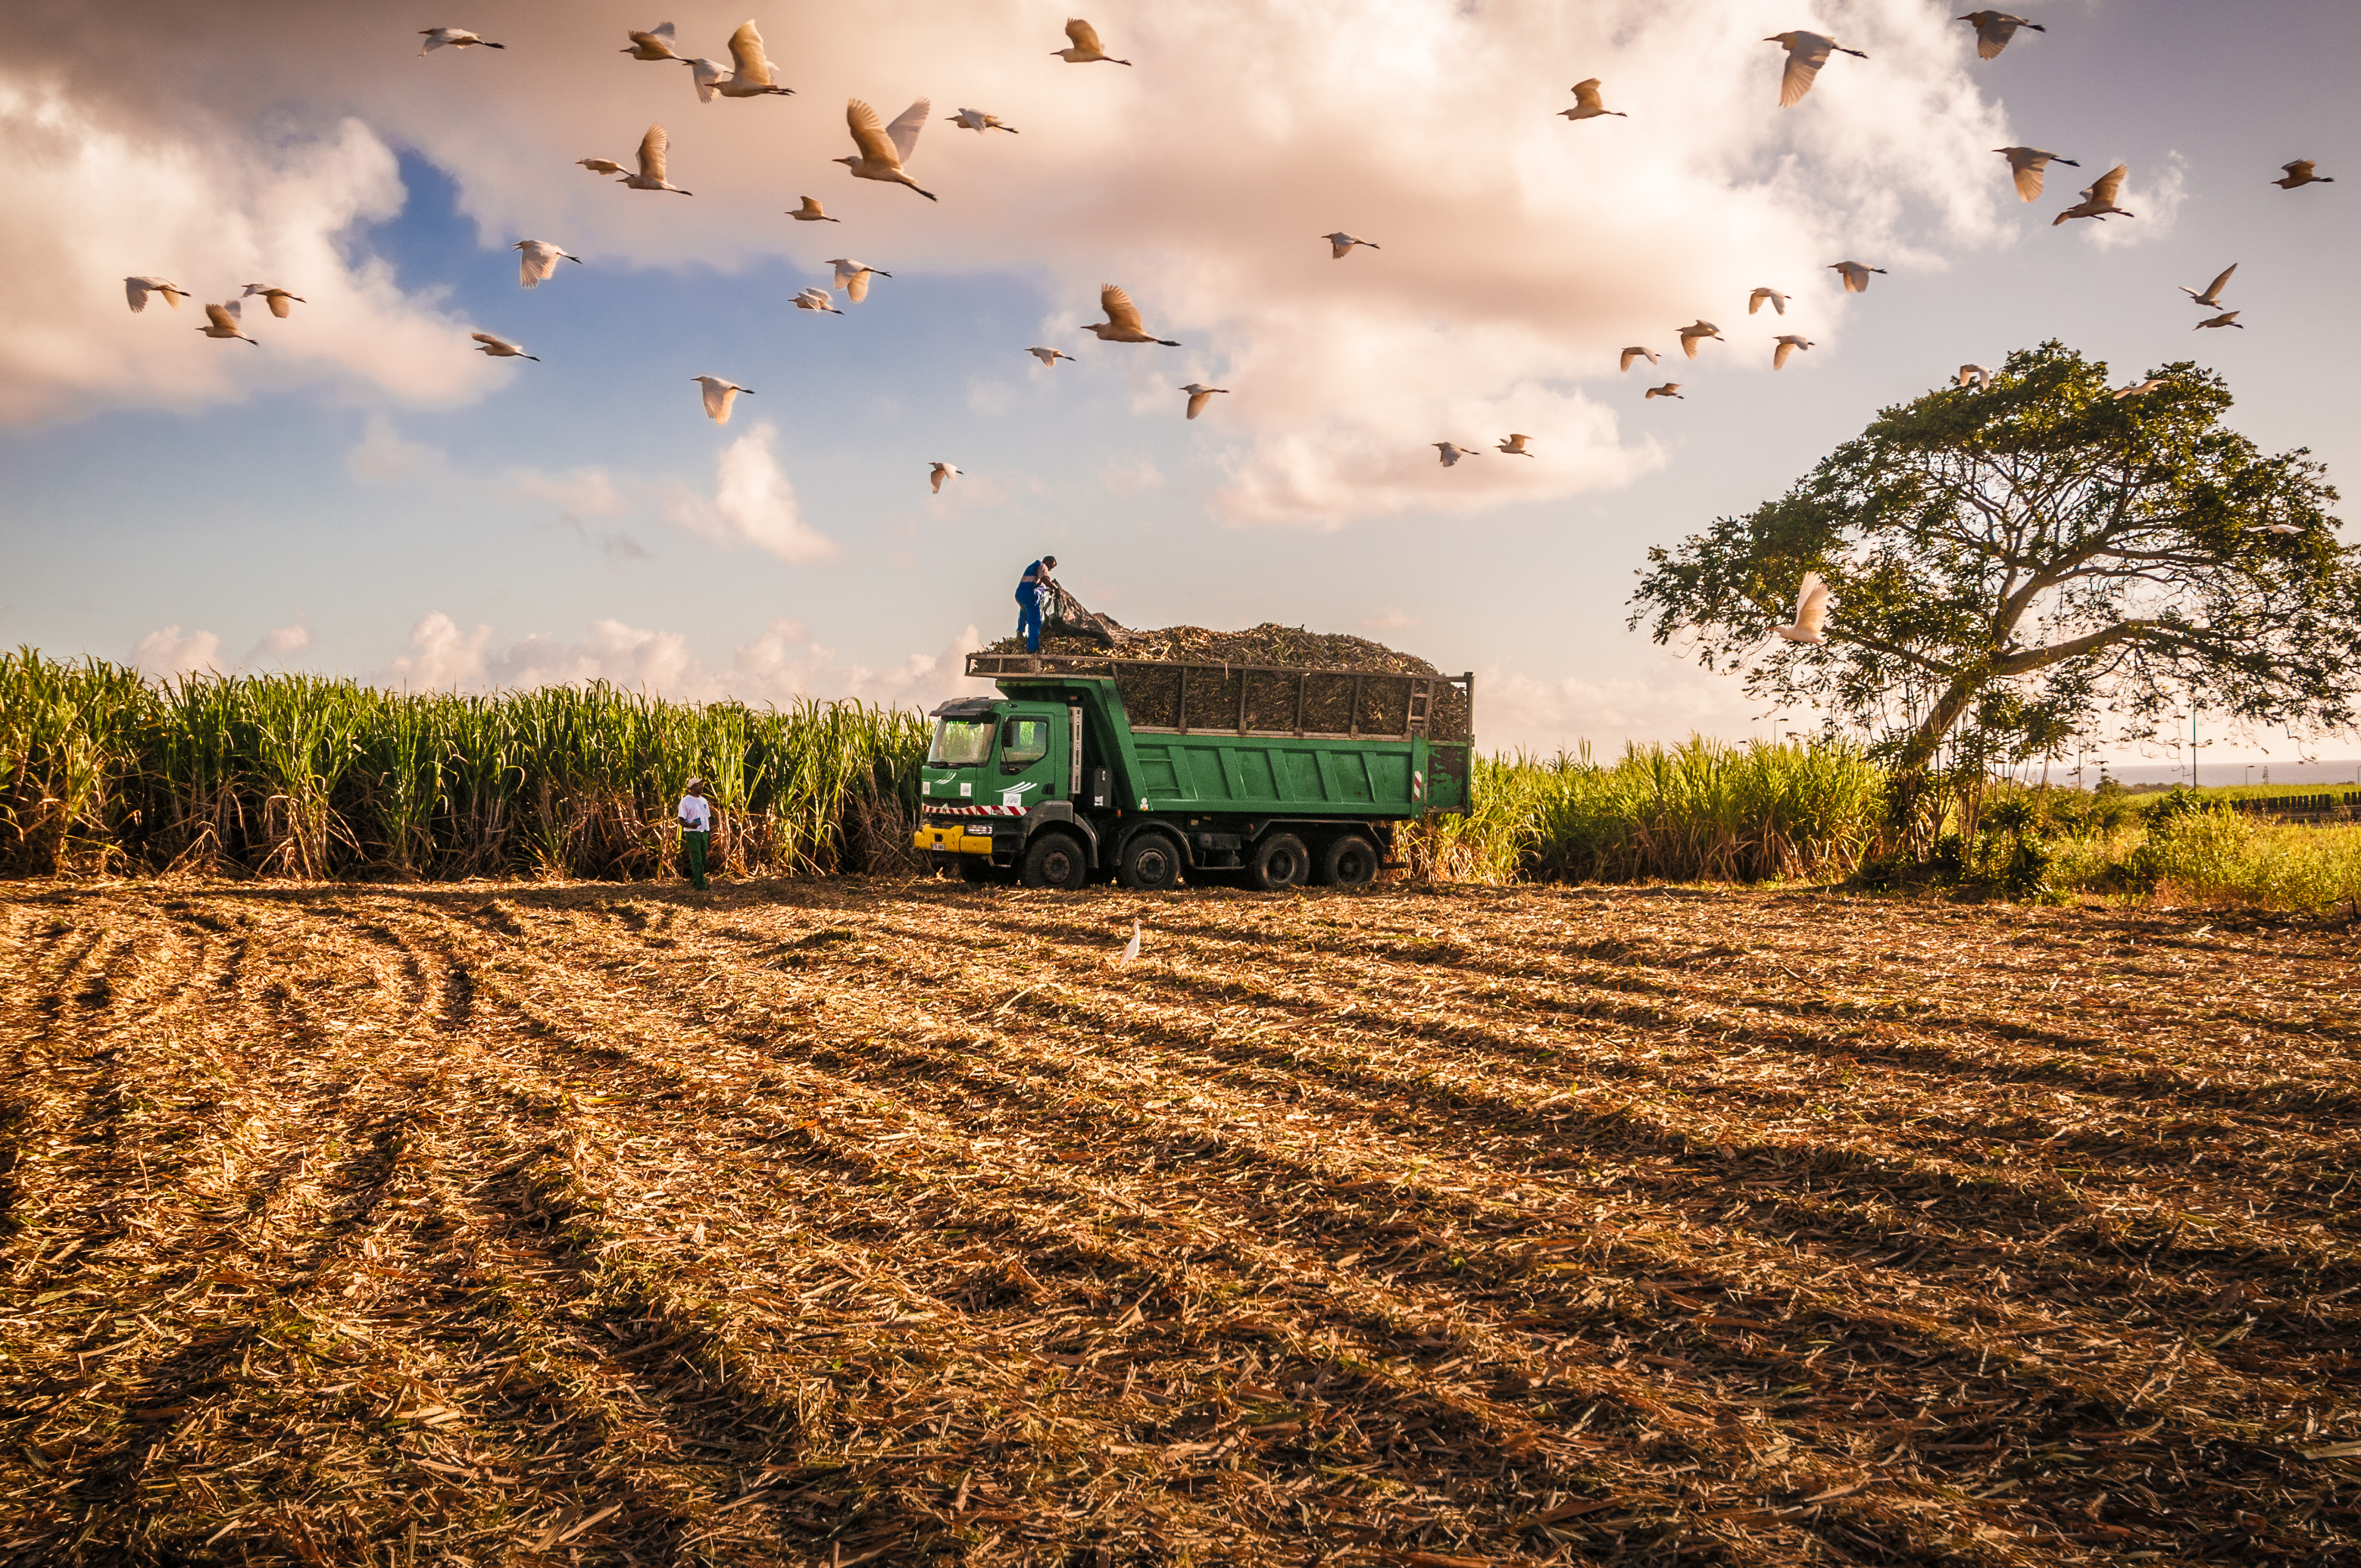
x=696, y=784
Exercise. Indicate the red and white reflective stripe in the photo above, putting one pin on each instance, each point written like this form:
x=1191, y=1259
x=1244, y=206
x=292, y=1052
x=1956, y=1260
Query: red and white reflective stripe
x=1418, y=787
x=976, y=810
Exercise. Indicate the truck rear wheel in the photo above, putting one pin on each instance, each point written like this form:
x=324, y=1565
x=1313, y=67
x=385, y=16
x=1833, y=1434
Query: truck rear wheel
x=1055, y=859
x=1150, y=862
x=1279, y=861
x=1349, y=860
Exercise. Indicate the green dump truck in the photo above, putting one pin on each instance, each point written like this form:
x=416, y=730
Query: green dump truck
x=1154, y=771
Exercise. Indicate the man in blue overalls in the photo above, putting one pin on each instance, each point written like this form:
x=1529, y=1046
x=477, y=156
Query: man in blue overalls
x=1028, y=601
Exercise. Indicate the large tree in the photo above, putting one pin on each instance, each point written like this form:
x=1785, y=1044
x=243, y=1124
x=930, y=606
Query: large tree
x=2033, y=560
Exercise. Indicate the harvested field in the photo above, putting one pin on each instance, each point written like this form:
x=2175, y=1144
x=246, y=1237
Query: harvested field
x=830, y=1223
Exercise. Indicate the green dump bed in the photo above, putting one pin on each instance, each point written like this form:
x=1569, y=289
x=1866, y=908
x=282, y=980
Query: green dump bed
x=1262, y=740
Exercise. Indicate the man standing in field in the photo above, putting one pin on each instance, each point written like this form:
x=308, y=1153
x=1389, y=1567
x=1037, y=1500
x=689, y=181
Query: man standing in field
x=695, y=832
x=1028, y=601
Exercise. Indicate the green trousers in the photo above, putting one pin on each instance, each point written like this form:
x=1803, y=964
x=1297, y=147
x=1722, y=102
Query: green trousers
x=694, y=843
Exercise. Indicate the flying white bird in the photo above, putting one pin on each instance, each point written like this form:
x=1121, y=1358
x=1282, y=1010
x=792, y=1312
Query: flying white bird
x=1048, y=356
x=136, y=291
x=1974, y=376
x=457, y=38
x=852, y=276
x=537, y=261
x=651, y=176
x=1123, y=323
x=1807, y=52
x=654, y=44
x=1669, y=389
x=707, y=76
x=1200, y=396
x=278, y=299
x=1778, y=300
x=1452, y=454
x=1340, y=244
x=221, y=321
x=811, y=213
x=1515, y=445
x=2099, y=200
x=501, y=348
x=1811, y=613
x=2228, y=318
x=2150, y=385
x=1131, y=948
x=601, y=165
x=2027, y=164
x=2300, y=173
x=1856, y=275
x=1086, y=48
x=1636, y=352
x=718, y=395
x=1993, y=29
x=884, y=149
x=943, y=471
x=1788, y=344
x=1587, y=105
x=816, y=298
x=978, y=121
x=754, y=77
x=2278, y=527
x=2212, y=298
x=1696, y=331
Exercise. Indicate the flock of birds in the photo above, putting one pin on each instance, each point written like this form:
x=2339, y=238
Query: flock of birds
x=883, y=151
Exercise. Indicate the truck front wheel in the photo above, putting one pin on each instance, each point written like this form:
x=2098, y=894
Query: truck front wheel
x=1279, y=861
x=1056, y=859
x=1349, y=860
x=1150, y=863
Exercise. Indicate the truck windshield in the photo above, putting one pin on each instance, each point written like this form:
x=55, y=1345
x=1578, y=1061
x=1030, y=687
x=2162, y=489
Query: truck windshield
x=961, y=743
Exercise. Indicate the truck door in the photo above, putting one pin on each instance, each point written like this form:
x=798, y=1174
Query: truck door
x=1034, y=748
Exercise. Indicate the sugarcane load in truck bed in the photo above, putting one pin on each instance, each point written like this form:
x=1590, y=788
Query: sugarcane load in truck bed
x=1160, y=771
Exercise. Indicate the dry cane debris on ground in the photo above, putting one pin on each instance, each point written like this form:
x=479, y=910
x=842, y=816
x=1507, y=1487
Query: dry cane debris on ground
x=832, y=1222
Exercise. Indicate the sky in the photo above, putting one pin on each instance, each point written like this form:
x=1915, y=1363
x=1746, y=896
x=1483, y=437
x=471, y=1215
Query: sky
x=362, y=495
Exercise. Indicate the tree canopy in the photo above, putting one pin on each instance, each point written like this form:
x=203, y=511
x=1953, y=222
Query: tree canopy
x=2014, y=566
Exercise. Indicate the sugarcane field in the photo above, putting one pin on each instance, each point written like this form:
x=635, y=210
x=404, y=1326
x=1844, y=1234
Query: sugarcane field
x=878, y=1220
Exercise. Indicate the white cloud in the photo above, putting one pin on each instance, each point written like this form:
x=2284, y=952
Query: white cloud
x=441, y=656
x=1389, y=619
x=2153, y=200
x=1515, y=710
x=280, y=644
x=777, y=667
x=1130, y=475
x=990, y=395
x=168, y=650
x=754, y=504
x=582, y=493
x=92, y=195
x=383, y=456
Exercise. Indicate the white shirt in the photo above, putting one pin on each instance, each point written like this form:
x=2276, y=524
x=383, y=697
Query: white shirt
x=695, y=812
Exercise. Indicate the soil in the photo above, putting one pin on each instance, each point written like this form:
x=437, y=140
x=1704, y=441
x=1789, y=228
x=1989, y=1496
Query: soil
x=833, y=1222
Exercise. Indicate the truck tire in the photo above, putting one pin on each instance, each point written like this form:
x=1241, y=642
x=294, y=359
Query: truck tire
x=1279, y=861
x=1150, y=863
x=1055, y=859
x=1349, y=860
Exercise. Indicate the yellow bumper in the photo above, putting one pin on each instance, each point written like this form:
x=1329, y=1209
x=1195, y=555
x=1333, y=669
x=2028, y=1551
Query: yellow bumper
x=954, y=841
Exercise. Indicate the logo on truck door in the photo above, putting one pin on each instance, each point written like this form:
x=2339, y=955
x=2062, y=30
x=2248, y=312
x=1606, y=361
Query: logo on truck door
x=1014, y=793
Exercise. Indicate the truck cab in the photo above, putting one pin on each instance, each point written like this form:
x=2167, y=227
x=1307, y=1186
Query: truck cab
x=995, y=770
